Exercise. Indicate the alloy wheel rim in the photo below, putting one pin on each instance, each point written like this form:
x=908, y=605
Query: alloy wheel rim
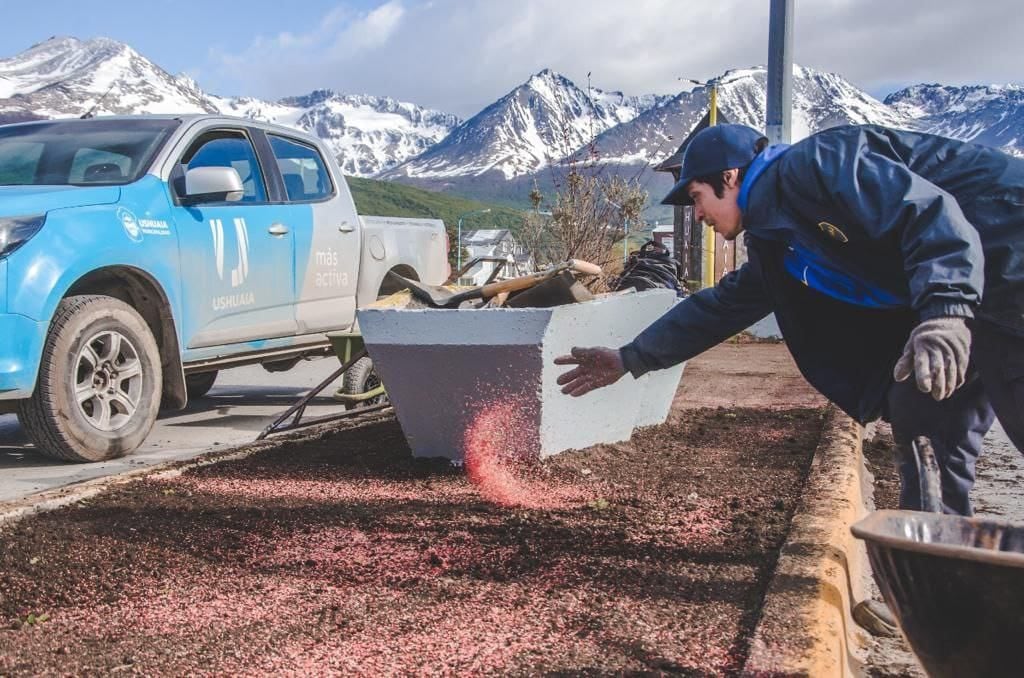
x=108, y=380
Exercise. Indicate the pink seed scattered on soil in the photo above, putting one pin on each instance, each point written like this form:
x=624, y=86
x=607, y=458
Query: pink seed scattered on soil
x=498, y=444
x=277, y=489
x=351, y=559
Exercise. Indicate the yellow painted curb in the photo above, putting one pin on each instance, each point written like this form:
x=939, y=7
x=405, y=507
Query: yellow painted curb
x=806, y=628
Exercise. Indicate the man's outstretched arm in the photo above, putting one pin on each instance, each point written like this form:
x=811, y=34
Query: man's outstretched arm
x=689, y=328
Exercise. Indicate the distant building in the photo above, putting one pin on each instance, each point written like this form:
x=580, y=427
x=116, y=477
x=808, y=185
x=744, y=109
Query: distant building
x=493, y=243
x=664, y=235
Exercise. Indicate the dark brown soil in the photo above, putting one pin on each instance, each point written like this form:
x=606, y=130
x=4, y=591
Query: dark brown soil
x=344, y=554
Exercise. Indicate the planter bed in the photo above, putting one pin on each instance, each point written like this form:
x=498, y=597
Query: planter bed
x=344, y=553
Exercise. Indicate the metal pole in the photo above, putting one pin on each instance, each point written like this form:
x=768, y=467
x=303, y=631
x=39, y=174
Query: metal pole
x=708, y=260
x=458, y=247
x=780, y=72
x=625, y=242
x=458, y=237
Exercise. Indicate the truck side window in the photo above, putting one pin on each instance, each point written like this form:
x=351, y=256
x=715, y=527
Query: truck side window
x=229, y=149
x=304, y=172
x=19, y=162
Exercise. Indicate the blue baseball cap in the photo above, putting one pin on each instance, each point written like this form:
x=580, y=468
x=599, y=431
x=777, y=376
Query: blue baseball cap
x=713, y=149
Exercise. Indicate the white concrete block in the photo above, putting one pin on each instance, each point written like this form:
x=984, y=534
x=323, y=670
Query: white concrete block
x=443, y=368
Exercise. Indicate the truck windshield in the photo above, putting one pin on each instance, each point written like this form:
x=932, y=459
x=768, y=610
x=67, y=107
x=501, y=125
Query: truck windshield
x=80, y=152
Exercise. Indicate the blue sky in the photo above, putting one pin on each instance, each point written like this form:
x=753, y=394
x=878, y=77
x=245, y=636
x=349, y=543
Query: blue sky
x=459, y=55
x=175, y=34
x=170, y=30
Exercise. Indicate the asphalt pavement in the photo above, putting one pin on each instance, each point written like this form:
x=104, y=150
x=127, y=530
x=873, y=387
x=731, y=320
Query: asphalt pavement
x=238, y=407
x=999, y=490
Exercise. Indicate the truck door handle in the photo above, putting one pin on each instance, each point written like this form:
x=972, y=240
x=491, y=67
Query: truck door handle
x=277, y=229
x=346, y=227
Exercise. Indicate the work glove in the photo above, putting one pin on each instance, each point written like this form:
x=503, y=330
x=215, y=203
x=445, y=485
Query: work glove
x=595, y=368
x=936, y=353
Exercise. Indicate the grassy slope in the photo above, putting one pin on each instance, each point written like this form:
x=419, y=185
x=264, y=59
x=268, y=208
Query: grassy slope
x=390, y=199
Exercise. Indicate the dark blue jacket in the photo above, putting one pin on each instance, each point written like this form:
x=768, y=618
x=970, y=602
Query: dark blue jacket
x=935, y=223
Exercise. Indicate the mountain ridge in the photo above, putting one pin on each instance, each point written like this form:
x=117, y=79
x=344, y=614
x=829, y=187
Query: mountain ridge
x=529, y=133
x=65, y=76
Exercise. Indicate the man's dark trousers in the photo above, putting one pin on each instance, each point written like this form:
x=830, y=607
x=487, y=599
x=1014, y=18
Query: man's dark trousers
x=956, y=426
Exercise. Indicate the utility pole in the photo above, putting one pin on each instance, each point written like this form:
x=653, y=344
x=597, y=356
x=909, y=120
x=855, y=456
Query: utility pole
x=779, y=107
x=708, y=238
x=780, y=72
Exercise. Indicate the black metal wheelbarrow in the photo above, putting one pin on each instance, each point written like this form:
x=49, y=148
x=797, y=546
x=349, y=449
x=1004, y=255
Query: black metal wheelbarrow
x=956, y=585
x=361, y=393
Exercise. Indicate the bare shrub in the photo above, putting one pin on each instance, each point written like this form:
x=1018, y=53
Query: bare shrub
x=588, y=207
x=587, y=215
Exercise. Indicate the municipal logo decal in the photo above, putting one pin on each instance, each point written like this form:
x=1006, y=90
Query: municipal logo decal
x=240, y=272
x=833, y=231
x=130, y=224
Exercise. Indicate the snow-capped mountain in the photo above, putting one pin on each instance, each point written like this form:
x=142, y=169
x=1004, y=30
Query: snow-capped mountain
x=65, y=77
x=368, y=134
x=987, y=114
x=549, y=118
x=820, y=100
x=542, y=120
x=536, y=125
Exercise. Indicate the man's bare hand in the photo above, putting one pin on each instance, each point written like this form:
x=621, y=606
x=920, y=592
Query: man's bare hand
x=595, y=368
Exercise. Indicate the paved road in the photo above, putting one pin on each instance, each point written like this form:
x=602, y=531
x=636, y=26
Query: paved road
x=999, y=491
x=240, y=405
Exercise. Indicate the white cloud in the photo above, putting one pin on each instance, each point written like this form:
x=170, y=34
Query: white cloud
x=368, y=32
x=460, y=55
x=341, y=35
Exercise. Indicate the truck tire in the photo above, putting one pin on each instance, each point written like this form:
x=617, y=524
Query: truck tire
x=360, y=378
x=98, y=390
x=198, y=385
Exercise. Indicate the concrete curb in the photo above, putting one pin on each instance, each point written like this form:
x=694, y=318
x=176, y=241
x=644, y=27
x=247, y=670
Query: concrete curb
x=806, y=627
x=12, y=511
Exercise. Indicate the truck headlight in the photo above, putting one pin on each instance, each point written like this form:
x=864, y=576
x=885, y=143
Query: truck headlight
x=15, y=231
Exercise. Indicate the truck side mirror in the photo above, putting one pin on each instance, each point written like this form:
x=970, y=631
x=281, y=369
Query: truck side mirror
x=212, y=184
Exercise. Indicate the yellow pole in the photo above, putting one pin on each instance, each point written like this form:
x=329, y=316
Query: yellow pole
x=709, y=233
x=709, y=256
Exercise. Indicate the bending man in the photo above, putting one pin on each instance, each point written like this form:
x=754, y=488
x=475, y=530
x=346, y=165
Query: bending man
x=894, y=263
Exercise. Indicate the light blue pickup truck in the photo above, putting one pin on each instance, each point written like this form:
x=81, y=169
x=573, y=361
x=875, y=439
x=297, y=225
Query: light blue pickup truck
x=140, y=255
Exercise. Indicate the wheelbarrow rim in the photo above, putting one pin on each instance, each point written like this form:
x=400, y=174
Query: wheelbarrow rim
x=872, y=529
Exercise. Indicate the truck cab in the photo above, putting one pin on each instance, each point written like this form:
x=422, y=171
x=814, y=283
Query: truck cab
x=140, y=255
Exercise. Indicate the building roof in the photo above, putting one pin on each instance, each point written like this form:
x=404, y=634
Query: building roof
x=485, y=236
x=673, y=162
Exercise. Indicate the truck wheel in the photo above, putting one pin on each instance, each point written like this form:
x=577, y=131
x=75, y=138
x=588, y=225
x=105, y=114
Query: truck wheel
x=360, y=378
x=198, y=385
x=98, y=391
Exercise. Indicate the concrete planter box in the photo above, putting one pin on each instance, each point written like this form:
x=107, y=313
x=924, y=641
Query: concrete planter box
x=443, y=368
